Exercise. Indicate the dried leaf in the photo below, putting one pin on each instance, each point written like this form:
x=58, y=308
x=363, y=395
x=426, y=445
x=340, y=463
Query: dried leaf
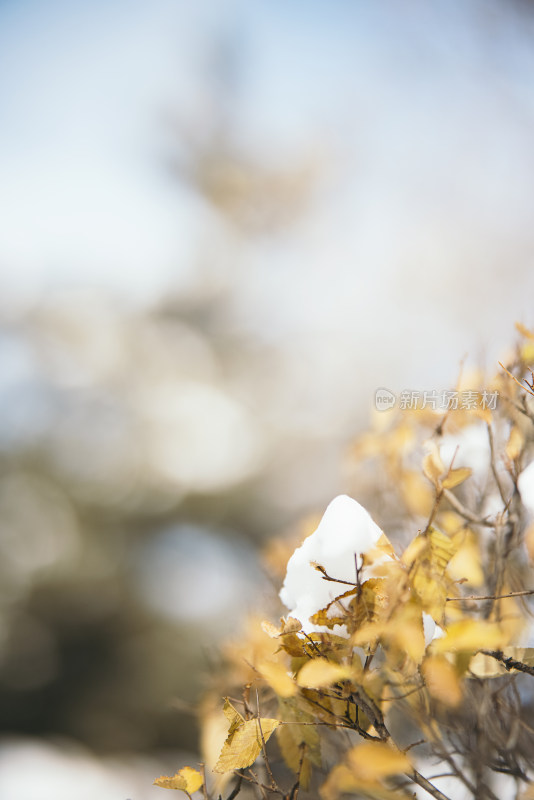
x=466, y=563
x=290, y=625
x=278, y=678
x=300, y=745
x=233, y=716
x=442, y=680
x=244, y=744
x=470, y=635
x=456, y=477
x=186, y=780
x=375, y=760
x=366, y=766
x=416, y=493
x=429, y=555
x=433, y=466
x=515, y=443
x=270, y=629
x=319, y=673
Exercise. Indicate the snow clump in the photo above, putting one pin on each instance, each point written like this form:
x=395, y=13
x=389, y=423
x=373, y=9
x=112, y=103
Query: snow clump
x=345, y=533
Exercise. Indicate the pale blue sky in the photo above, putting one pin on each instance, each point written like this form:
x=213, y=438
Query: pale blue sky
x=423, y=113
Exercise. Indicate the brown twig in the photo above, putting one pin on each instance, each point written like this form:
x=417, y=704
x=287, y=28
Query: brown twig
x=509, y=662
x=464, y=512
x=523, y=593
x=527, y=388
x=263, y=746
x=416, y=777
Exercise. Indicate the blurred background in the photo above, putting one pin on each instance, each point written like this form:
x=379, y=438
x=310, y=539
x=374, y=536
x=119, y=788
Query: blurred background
x=224, y=224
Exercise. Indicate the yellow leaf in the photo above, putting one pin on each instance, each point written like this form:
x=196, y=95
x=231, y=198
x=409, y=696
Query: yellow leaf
x=414, y=550
x=367, y=603
x=375, y=760
x=244, y=745
x=406, y=633
x=466, y=563
x=368, y=634
x=442, y=680
x=456, y=477
x=290, y=625
x=270, y=629
x=470, y=635
x=428, y=557
x=186, y=780
x=277, y=677
x=299, y=745
x=366, y=766
x=433, y=466
x=318, y=673
x=416, y=493
x=233, y=716
x=515, y=443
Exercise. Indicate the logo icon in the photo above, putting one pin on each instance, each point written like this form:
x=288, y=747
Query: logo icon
x=384, y=399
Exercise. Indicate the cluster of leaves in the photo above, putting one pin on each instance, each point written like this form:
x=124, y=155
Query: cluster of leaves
x=375, y=708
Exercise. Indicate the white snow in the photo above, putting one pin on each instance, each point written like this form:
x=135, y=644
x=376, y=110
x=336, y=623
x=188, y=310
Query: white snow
x=345, y=533
x=469, y=448
x=525, y=484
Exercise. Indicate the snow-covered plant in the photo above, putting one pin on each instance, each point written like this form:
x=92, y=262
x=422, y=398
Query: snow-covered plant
x=406, y=671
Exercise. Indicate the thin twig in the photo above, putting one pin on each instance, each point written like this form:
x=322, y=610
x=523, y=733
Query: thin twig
x=237, y=788
x=508, y=662
x=426, y=785
x=494, y=466
x=525, y=389
x=522, y=593
x=264, y=748
x=464, y=512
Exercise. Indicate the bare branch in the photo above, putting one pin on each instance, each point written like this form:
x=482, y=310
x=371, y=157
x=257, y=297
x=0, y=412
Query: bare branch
x=508, y=662
x=416, y=777
x=523, y=593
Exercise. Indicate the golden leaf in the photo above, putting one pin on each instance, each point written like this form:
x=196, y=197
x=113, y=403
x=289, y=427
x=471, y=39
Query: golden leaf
x=416, y=493
x=290, y=625
x=429, y=555
x=270, y=629
x=300, y=745
x=186, y=780
x=318, y=673
x=442, y=680
x=375, y=760
x=470, y=635
x=515, y=443
x=342, y=780
x=466, y=563
x=456, y=477
x=407, y=633
x=433, y=466
x=277, y=677
x=233, y=716
x=244, y=744
x=366, y=766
